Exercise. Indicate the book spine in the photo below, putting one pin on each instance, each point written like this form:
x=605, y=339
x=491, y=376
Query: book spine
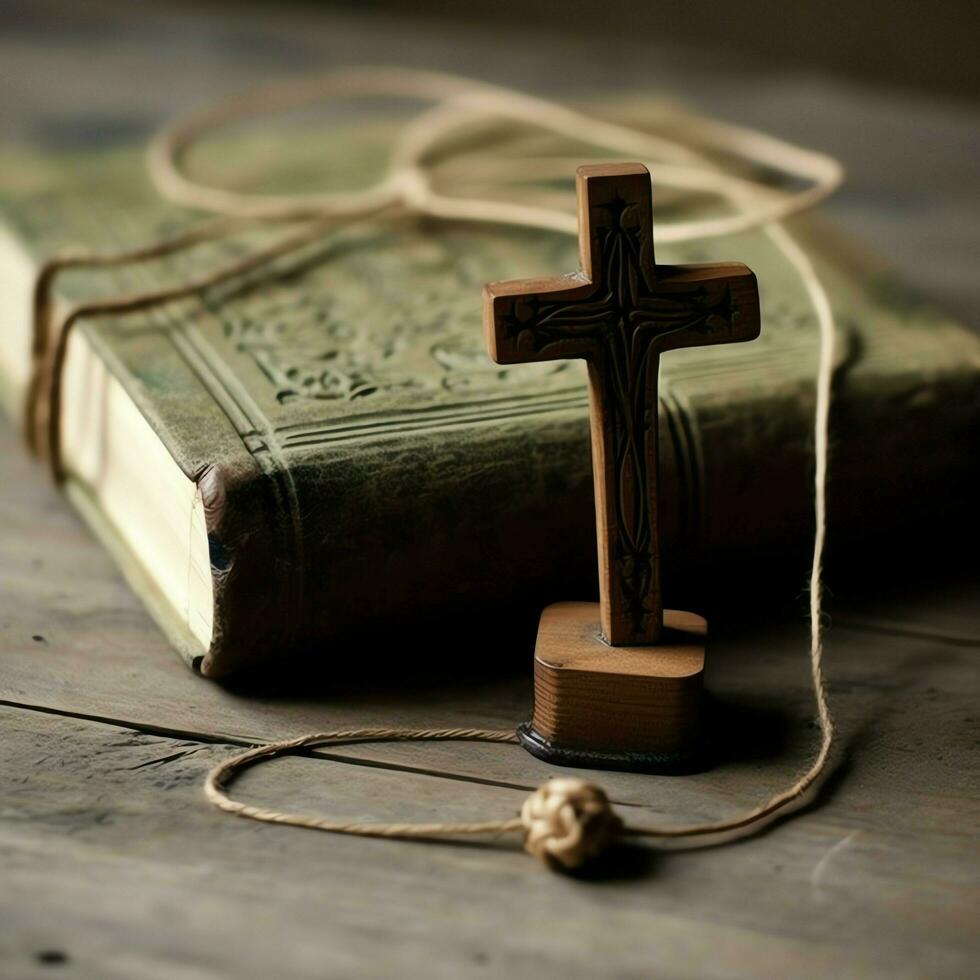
x=438, y=537
x=394, y=534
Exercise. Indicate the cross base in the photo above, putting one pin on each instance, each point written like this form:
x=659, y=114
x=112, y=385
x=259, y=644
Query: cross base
x=603, y=707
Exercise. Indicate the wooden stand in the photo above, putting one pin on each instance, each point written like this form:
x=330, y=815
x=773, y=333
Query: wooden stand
x=604, y=707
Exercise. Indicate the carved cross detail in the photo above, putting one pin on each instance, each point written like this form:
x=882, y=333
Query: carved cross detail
x=620, y=313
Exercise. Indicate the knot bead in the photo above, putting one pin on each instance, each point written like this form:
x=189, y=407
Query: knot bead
x=568, y=822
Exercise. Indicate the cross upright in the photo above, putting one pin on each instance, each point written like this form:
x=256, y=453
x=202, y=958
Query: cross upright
x=620, y=313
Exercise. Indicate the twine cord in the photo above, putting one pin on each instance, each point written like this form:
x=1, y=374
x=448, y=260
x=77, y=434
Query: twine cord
x=221, y=774
x=567, y=820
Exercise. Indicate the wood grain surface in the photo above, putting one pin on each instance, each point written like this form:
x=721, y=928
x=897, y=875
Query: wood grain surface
x=591, y=696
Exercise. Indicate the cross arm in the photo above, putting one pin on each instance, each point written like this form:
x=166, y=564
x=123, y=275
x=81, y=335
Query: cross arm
x=726, y=294
x=515, y=311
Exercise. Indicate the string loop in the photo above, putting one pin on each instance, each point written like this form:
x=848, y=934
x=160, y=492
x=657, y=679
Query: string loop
x=432, y=173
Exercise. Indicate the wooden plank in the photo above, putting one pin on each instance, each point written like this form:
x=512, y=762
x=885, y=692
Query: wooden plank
x=944, y=607
x=107, y=832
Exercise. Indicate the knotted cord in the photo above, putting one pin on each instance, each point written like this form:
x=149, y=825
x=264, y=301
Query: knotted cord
x=563, y=823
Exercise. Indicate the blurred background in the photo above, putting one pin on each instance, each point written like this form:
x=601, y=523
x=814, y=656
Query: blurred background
x=891, y=88
x=930, y=46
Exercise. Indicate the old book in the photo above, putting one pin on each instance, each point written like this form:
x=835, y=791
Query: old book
x=286, y=464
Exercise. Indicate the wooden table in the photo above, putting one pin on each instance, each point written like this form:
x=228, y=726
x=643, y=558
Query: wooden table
x=112, y=864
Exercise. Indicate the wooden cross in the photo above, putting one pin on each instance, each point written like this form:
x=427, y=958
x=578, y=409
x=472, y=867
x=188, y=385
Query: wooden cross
x=620, y=313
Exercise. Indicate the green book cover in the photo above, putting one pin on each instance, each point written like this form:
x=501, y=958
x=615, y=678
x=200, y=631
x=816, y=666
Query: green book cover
x=361, y=464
